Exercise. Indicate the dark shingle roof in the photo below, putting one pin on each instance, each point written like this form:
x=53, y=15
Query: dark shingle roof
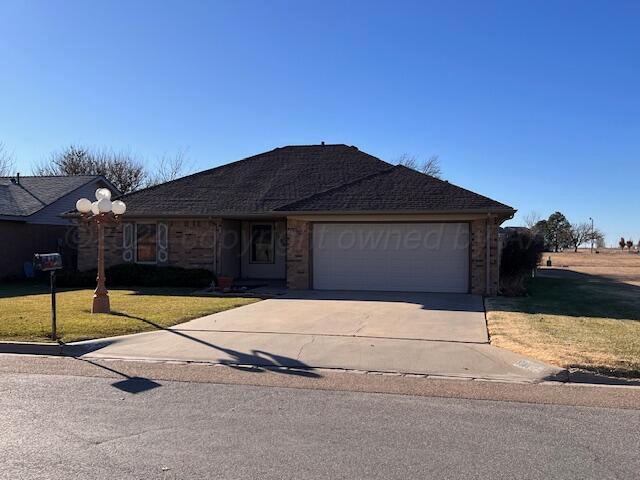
x=304, y=178
x=34, y=193
x=396, y=189
x=257, y=184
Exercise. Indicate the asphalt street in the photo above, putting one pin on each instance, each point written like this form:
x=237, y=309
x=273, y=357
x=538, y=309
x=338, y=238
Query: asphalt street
x=118, y=426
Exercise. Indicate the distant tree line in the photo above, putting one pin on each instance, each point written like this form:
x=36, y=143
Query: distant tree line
x=559, y=233
x=627, y=243
x=125, y=170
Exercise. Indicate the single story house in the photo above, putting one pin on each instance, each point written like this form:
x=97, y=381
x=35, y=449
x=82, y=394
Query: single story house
x=31, y=219
x=318, y=217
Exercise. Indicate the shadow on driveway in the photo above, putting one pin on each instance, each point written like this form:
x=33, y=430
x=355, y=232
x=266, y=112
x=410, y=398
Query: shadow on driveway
x=253, y=361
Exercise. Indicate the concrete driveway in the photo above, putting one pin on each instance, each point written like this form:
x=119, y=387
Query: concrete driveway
x=412, y=333
x=410, y=316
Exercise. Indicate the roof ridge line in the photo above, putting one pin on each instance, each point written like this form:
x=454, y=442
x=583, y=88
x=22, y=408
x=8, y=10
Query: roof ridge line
x=448, y=183
x=43, y=204
x=206, y=170
x=250, y=157
x=10, y=177
x=33, y=195
x=337, y=187
x=93, y=178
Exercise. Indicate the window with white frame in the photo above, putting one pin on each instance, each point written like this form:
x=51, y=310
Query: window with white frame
x=146, y=242
x=262, y=243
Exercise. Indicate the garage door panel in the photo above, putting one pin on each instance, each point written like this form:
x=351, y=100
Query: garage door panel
x=432, y=257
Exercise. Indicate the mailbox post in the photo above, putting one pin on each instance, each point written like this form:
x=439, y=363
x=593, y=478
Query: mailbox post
x=54, y=326
x=50, y=262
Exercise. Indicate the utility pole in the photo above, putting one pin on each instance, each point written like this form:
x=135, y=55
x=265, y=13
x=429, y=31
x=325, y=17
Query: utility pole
x=591, y=234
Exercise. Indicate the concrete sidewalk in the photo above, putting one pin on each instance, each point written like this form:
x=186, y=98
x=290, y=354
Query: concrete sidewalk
x=325, y=351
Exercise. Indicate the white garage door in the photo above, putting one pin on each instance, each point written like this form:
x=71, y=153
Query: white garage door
x=411, y=257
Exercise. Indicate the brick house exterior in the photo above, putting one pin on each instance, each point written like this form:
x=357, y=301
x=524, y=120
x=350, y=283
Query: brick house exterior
x=192, y=244
x=217, y=233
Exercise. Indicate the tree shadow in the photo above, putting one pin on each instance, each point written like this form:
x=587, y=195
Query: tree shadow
x=130, y=384
x=574, y=294
x=462, y=302
x=434, y=301
x=25, y=288
x=254, y=360
x=604, y=376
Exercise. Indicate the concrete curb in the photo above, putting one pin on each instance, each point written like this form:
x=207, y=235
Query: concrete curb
x=87, y=347
x=32, y=348
x=84, y=348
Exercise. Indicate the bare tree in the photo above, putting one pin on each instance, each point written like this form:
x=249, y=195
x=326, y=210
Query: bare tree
x=531, y=219
x=622, y=243
x=629, y=245
x=430, y=166
x=70, y=161
x=409, y=161
x=578, y=234
x=597, y=237
x=169, y=168
x=7, y=164
x=121, y=168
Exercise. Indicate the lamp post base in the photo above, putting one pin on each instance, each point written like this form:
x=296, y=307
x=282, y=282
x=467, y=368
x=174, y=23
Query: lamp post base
x=100, y=304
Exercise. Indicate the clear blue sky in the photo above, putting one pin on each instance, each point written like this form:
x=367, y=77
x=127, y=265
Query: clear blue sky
x=536, y=104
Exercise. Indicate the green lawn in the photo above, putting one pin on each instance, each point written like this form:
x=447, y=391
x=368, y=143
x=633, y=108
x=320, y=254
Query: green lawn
x=25, y=311
x=583, y=322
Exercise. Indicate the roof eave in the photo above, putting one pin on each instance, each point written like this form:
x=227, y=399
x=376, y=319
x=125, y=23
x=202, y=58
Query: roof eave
x=14, y=218
x=502, y=212
x=491, y=211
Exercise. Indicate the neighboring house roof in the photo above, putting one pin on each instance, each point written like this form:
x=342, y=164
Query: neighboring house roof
x=305, y=178
x=28, y=195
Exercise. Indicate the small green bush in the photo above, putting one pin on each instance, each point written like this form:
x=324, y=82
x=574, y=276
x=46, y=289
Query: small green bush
x=130, y=275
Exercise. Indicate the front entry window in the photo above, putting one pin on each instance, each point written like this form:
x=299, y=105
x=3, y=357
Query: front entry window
x=262, y=243
x=146, y=240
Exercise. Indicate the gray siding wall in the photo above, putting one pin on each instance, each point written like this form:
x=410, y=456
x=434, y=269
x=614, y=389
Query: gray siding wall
x=50, y=215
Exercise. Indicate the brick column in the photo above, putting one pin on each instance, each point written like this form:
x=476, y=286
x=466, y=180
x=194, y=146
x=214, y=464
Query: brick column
x=494, y=264
x=479, y=257
x=298, y=241
x=194, y=243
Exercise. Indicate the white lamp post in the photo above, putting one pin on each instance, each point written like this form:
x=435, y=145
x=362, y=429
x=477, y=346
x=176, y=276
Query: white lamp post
x=101, y=212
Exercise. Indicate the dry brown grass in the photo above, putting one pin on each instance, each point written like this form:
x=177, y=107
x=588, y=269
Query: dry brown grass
x=583, y=313
x=613, y=264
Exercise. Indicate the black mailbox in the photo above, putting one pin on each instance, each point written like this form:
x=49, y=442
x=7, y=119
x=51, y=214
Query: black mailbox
x=46, y=262
x=50, y=262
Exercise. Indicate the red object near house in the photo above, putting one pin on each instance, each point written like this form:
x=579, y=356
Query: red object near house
x=224, y=282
